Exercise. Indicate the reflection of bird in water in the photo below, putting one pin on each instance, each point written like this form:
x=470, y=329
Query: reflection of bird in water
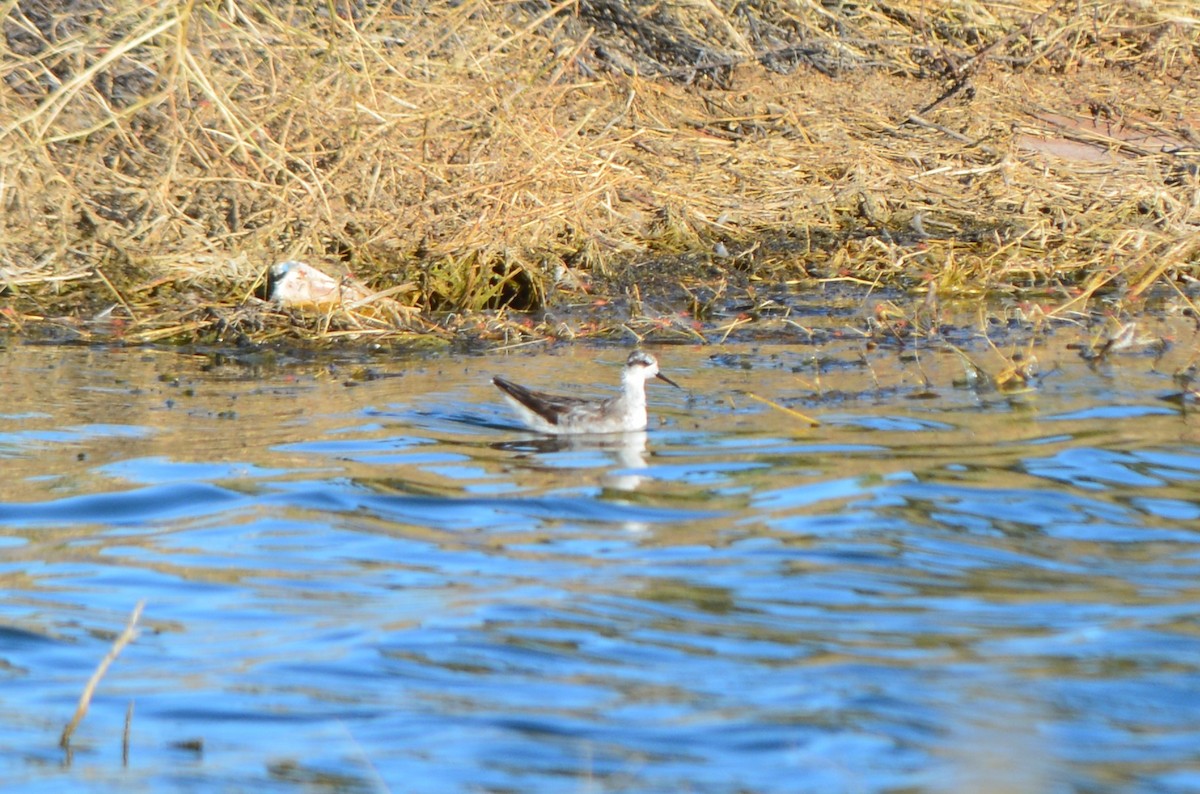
x=561, y=415
x=624, y=454
x=631, y=455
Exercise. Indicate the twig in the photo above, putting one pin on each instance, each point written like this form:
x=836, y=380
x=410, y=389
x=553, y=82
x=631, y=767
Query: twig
x=964, y=70
x=918, y=121
x=112, y=288
x=1024, y=30
x=789, y=411
x=125, y=735
x=85, y=699
x=728, y=329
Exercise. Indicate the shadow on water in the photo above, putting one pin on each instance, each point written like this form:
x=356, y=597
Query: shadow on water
x=393, y=587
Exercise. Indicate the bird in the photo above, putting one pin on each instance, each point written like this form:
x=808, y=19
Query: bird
x=565, y=415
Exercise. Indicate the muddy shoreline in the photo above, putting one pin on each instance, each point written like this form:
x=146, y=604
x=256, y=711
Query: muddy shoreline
x=481, y=171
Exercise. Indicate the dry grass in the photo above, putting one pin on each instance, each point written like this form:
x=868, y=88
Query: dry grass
x=156, y=158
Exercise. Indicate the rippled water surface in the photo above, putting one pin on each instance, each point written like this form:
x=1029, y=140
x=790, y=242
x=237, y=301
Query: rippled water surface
x=361, y=575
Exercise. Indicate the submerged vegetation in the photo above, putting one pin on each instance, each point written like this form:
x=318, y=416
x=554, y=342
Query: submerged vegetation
x=474, y=160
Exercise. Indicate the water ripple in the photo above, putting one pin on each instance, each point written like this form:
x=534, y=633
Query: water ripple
x=933, y=594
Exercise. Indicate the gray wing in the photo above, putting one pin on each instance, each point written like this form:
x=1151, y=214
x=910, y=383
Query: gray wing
x=548, y=406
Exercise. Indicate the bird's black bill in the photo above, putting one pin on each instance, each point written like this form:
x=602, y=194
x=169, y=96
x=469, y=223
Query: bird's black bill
x=661, y=376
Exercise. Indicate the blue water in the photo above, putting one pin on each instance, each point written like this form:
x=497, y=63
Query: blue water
x=382, y=583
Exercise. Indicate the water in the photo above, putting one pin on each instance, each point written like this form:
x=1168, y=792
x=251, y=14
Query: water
x=361, y=576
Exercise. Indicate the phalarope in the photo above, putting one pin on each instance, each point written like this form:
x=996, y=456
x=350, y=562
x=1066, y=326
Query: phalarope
x=560, y=415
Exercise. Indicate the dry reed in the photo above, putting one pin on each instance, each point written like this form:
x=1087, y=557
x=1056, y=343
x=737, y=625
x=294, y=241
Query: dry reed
x=156, y=158
x=85, y=699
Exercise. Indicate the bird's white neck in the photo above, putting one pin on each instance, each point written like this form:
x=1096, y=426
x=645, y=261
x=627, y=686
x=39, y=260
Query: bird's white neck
x=635, y=391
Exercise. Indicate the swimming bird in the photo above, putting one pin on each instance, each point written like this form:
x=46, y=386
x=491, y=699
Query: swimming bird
x=561, y=415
